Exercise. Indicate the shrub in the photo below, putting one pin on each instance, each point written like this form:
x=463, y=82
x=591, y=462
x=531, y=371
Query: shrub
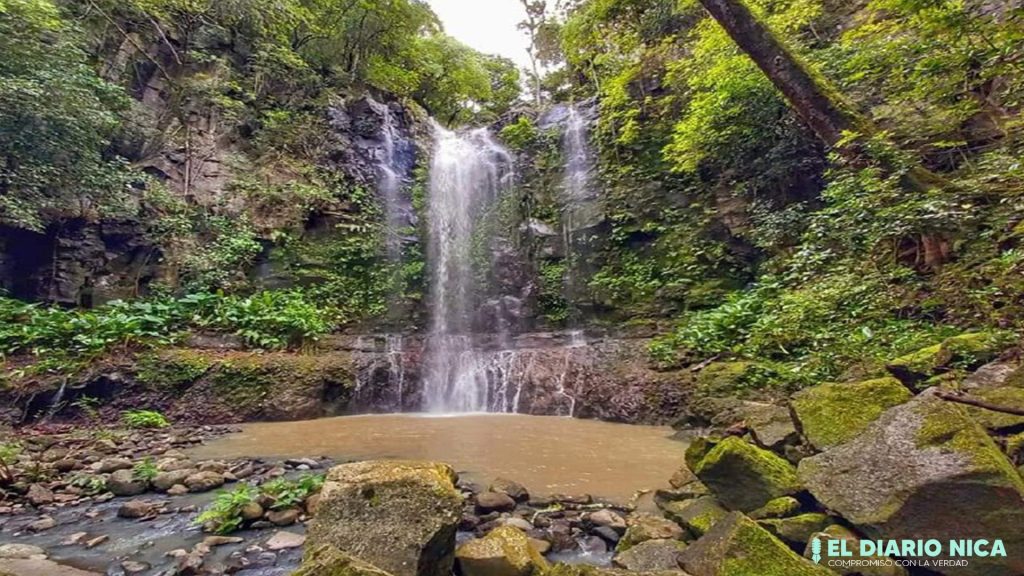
x=144, y=419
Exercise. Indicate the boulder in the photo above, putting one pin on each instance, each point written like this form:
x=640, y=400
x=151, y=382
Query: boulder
x=285, y=517
x=400, y=516
x=124, y=483
x=771, y=426
x=697, y=515
x=283, y=540
x=737, y=546
x=510, y=488
x=969, y=350
x=608, y=519
x=587, y=570
x=108, y=465
x=39, y=495
x=643, y=527
x=992, y=375
x=137, y=509
x=837, y=532
x=777, y=508
x=1008, y=396
x=39, y=567
x=494, y=502
x=11, y=551
x=796, y=530
x=745, y=477
x=651, y=555
x=505, y=551
x=163, y=481
x=925, y=470
x=329, y=561
x=204, y=481
x=830, y=414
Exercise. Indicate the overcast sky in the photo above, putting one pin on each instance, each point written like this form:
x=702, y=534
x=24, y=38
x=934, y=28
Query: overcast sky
x=487, y=25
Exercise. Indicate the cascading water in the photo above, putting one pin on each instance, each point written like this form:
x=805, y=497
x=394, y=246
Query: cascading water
x=468, y=173
x=579, y=198
x=390, y=176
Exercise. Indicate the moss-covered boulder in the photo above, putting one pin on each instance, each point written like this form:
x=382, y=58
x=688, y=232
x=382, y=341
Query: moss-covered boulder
x=651, y=555
x=795, y=530
x=400, y=516
x=586, y=570
x=733, y=379
x=1008, y=396
x=642, y=527
x=745, y=477
x=697, y=515
x=329, y=561
x=698, y=449
x=964, y=351
x=505, y=551
x=838, y=532
x=925, y=470
x=737, y=546
x=830, y=414
x=777, y=508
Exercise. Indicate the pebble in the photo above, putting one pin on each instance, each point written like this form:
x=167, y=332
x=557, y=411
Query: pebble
x=97, y=541
x=283, y=539
x=132, y=567
x=44, y=523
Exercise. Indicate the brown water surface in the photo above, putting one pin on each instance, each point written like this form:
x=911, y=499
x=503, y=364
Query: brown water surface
x=547, y=454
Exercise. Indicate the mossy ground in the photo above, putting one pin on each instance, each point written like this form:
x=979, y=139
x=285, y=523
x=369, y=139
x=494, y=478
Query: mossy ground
x=833, y=413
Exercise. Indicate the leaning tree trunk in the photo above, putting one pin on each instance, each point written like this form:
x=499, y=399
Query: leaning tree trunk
x=819, y=104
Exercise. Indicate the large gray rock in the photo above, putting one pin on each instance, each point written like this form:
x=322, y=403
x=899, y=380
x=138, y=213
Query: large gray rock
x=400, y=516
x=505, y=551
x=745, y=477
x=124, y=483
x=651, y=555
x=926, y=470
x=830, y=414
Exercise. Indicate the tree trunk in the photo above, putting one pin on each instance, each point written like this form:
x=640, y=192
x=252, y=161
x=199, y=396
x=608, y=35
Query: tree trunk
x=819, y=104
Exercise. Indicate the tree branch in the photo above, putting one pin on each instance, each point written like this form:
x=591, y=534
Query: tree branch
x=961, y=398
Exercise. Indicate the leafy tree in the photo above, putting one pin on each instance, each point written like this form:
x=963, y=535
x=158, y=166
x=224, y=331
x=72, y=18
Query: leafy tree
x=57, y=118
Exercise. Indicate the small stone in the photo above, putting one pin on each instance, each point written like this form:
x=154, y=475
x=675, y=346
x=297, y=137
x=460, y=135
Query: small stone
x=75, y=538
x=312, y=504
x=177, y=490
x=124, y=483
x=44, y=523
x=309, y=463
x=516, y=522
x=108, y=465
x=214, y=541
x=510, y=488
x=66, y=465
x=494, y=501
x=608, y=534
x=251, y=511
x=136, y=509
x=285, y=517
x=39, y=495
x=204, y=481
x=132, y=567
x=163, y=481
x=651, y=555
x=606, y=517
x=644, y=527
x=96, y=541
x=282, y=540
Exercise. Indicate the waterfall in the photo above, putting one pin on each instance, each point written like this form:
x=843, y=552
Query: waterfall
x=390, y=175
x=468, y=173
x=578, y=196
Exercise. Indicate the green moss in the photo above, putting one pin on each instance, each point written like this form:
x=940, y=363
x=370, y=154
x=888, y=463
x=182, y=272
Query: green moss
x=946, y=426
x=797, y=529
x=1015, y=447
x=329, y=561
x=745, y=477
x=737, y=546
x=697, y=515
x=777, y=508
x=959, y=352
x=1010, y=397
x=698, y=449
x=505, y=542
x=831, y=414
x=172, y=368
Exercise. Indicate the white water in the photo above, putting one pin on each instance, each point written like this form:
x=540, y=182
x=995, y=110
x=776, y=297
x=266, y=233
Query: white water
x=577, y=193
x=468, y=173
x=390, y=185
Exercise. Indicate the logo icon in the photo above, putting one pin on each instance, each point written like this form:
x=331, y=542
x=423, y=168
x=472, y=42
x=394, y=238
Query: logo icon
x=816, y=550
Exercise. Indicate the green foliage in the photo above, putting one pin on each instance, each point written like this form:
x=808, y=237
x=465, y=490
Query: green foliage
x=90, y=484
x=519, y=134
x=225, y=514
x=145, y=470
x=551, y=300
x=58, y=119
x=144, y=419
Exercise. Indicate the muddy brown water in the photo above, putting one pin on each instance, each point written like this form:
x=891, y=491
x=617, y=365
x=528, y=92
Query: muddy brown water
x=547, y=454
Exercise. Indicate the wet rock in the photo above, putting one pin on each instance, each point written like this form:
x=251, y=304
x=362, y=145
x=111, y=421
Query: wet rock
x=607, y=534
x=131, y=567
x=124, y=483
x=177, y=490
x=285, y=517
x=204, y=481
x=163, y=481
x=510, y=488
x=94, y=542
x=697, y=515
x=105, y=445
x=608, y=518
x=745, y=477
x=39, y=495
x=328, y=560
x=283, y=540
x=830, y=414
x=398, y=515
x=506, y=551
x=137, y=509
x=15, y=551
x=494, y=502
x=66, y=465
x=309, y=463
x=42, y=524
x=682, y=478
x=644, y=527
x=516, y=522
x=925, y=470
x=214, y=541
x=108, y=465
x=651, y=555
x=798, y=529
x=737, y=545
